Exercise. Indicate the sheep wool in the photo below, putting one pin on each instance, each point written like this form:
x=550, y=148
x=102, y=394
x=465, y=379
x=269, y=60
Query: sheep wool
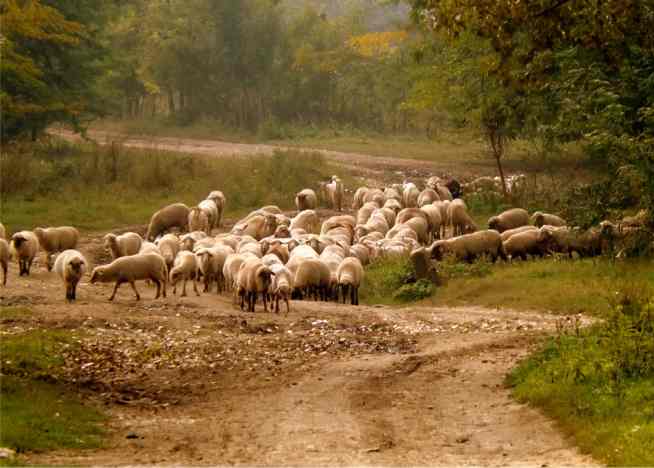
x=70, y=265
x=133, y=268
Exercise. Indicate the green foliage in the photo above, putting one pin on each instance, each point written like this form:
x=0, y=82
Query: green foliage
x=599, y=382
x=414, y=291
x=69, y=184
x=384, y=278
x=38, y=413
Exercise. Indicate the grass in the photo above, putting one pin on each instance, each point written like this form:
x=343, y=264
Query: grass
x=558, y=286
x=100, y=188
x=37, y=411
x=391, y=281
x=598, y=383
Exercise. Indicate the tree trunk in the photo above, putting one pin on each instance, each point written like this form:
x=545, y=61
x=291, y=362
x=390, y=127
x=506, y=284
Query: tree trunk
x=498, y=159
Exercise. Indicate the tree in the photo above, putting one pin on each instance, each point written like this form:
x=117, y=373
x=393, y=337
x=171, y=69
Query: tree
x=50, y=64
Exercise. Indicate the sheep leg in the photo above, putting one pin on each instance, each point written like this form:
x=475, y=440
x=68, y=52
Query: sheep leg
x=353, y=299
x=73, y=290
x=4, y=275
x=131, y=283
x=157, y=283
x=195, y=288
x=116, y=286
x=288, y=305
x=356, y=296
x=265, y=302
x=276, y=303
x=184, y=288
x=164, y=281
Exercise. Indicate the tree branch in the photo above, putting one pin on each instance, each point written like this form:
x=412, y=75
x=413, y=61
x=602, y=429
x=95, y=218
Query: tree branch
x=547, y=11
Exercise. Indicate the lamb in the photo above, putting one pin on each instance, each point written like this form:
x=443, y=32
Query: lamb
x=198, y=220
x=4, y=259
x=507, y=234
x=57, y=239
x=70, y=266
x=123, y=245
x=357, y=201
x=210, y=209
x=306, y=200
x=335, y=193
x=509, y=219
x=427, y=197
x=459, y=219
x=540, y=219
x=169, y=245
x=282, y=286
x=26, y=246
x=254, y=278
x=210, y=263
x=175, y=215
x=410, y=195
x=131, y=268
x=470, y=246
x=529, y=242
x=349, y=276
x=312, y=278
x=185, y=268
x=219, y=199
x=307, y=220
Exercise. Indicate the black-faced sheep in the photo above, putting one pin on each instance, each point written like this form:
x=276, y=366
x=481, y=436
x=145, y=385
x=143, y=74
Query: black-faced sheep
x=306, y=200
x=349, y=277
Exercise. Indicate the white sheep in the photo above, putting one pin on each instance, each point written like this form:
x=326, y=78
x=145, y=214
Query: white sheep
x=4, y=259
x=427, y=197
x=257, y=226
x=349, y=276
x=25, y=244
x=312, y=277
x=307, y=220
x=509, y=219
x=335, y=193
x=132, y=268
x=376, y=196
x=211, y=262
x=540, y=219
x=282, y=285
x=231, y=268
x=169, y=246
x=187, y=241
x=459, y=219
x=435, y=221
x=470, y=246
x=357, y=201
x=70, y=265
x=507, y=234
x=198, y=220
x=185, y=268
x=306, y=200
x=210, y=209
x=56, y=239
x=444, y=192
x=3, y=232
x=530, y=242
x=175, y=215
x=124, y=245
x=150, y=247
x=219, y=199
x=254, y=278
x=410, y=194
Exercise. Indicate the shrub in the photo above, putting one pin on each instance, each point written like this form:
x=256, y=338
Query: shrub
x=419, y=290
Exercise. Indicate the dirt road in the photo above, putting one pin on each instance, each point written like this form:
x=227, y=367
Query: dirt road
x=195, y=381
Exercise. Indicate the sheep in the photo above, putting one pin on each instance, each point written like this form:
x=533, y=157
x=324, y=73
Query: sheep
x=131, y=268
x=219, y=199
x=205, y=243
x=185, y=268
x=433, y=182
x=470, y=246
x=282, y=285
x=410, y=195
x=376, y=223
x=454, y=187
x=258, y=226
x=567, y=241
x=210, y=263
x=349, y=276
x=445, y=220
x=435, y=221
x=210, y=209
x=198, y=220
x=346, y=221
x=123, y=245
x=332, y=256
x=459, y=219
x=306, y=200
x=392, y=193
x=254, y=278
x=4, y=259
x=365, y=211
x=175, y=215
x=307, y=220
x=188, y=241
x=376, y=196
x=357, y=201
x=427, y=196
x=56, y=239
x=420, y=226
x=70, y=266
x=150, y=247
x=393, y=204
x=281, y=251
x=507, y=234
x=481, y=184
x=540, y=219
x=528, y=242
x=444, y=192
x=312, y=278
x=231, y=268
x=334, y=190
x=3, y=232
x=362, y=252
x=26, y=246
x=169, y=246
x=509, y=219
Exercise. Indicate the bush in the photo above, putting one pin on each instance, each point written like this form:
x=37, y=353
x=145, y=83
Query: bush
x=417, y=291
x=599, y=382
x=384, y=278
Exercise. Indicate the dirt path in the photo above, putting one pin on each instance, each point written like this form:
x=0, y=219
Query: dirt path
x=196, y=381
x=379, y=167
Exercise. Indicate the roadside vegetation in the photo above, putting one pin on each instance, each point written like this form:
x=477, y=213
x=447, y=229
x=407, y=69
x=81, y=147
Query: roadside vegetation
x=599, y=382
x=106, y=187
x=38, y=411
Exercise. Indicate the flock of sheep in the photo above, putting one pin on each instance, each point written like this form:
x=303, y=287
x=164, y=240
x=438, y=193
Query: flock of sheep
x=272, y=256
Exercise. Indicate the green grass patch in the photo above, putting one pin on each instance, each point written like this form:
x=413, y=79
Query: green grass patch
x=599, y=383
x=38, y=412
x=392, y=281
x=99, y=188
x=10, y=314
x=557, y=285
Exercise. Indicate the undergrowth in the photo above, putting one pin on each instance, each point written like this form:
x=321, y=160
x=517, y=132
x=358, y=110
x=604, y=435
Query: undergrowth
x=599, y=382
x=392, y=281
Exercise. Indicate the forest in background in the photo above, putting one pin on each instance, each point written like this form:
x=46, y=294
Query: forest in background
x=549, y=72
